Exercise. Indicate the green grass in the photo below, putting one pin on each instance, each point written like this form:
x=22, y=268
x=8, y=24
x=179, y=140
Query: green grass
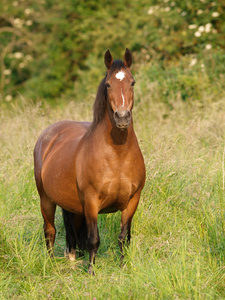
x=178, y=242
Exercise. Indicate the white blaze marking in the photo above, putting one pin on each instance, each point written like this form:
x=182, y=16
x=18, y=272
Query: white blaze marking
x=122, y=98
x=120, y=75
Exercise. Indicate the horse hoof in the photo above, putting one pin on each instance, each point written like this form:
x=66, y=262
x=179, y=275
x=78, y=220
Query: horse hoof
x=90, y=271
x=70, y=255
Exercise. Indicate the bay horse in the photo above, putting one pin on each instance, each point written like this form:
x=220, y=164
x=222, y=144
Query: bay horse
x=88, y=168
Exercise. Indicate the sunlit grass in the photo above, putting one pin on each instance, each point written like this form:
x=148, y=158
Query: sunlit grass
x=178, y=246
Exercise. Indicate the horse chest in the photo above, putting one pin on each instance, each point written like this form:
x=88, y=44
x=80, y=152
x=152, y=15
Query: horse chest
x=111, y=176
x=116, y=189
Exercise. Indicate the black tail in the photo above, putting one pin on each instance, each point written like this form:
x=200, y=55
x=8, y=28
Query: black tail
x=75, y=237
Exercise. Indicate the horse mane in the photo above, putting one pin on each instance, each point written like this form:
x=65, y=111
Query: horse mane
x=99, y=105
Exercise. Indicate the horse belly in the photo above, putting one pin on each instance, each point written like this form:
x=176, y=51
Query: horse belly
x=59, y=183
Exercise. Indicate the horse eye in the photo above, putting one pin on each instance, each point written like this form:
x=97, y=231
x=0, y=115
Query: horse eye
x=107, y=85
x=133, y=83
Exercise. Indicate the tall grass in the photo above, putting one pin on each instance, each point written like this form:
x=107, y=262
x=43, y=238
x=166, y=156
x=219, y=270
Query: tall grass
x=178, y=243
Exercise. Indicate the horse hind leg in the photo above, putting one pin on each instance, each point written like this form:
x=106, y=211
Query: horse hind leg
x=48, y=212
x=73, y=224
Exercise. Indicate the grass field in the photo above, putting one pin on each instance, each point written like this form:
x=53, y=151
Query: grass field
x=178, y=241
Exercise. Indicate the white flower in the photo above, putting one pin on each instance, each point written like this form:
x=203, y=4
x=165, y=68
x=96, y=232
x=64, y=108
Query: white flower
x=18, y=22
x=166, y=9
x=183, y=13
x=215, y=14
x=201, y=28
x=28, y=57
x=193, y=62
x=28, y=11
x=15, y=3
x=29, y=22
x=199, y=12
x=198, y=34
x=18, y=55
x=152, y=9
x=208, y=47
x=208, y=27
x=7, y=72
x=22, y=65
x=192, y=26
x=8, y=98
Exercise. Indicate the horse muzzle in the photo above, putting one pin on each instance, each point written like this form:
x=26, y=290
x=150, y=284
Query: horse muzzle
x=122, y=118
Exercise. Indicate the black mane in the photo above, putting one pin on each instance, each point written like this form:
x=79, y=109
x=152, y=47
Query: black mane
x=99, y=105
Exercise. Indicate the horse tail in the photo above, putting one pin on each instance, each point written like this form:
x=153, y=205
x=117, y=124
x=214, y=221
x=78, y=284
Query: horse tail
x=75, y=236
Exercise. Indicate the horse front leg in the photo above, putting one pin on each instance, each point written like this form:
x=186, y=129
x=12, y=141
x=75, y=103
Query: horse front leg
x=126, y=219
x=93, y=239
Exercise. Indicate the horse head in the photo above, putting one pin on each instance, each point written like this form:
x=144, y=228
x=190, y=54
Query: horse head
x=119, y=88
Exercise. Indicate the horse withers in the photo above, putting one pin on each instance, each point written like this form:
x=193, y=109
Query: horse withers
x=94, y=167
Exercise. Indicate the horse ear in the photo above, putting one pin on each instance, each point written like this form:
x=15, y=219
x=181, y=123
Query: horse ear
x=108, y=59
x=127, y=58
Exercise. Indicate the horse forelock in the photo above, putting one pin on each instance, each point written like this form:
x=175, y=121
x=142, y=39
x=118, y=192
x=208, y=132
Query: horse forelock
x=117, y=65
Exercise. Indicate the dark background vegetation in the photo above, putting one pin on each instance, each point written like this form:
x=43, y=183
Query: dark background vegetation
x=51, y=48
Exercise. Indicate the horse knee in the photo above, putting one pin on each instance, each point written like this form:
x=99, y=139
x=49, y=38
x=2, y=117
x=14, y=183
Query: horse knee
x=50, y=233
x=93, y=242
x=49, y=229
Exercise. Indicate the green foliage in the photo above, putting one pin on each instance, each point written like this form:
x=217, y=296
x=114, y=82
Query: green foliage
x=196, y=78
x=47, y=47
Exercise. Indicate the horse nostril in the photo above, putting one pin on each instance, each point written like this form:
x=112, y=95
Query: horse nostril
x=127, y=114
x=116, y=115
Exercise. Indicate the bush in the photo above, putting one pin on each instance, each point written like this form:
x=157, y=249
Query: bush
x=48, y=46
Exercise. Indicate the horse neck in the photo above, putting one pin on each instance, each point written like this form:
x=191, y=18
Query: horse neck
x=115, y=136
